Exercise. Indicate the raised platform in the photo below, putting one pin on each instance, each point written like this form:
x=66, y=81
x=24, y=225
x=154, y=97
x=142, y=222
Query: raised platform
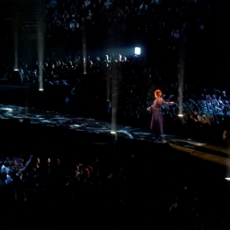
x=98, y=133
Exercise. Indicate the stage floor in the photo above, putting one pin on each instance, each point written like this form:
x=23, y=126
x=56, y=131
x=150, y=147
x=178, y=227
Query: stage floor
x=196, y=148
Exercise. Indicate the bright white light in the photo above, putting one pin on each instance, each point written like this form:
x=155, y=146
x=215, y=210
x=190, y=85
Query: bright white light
x=137, y=50
x=227, y=178
x=180, y=115
x=113, y=132
x=41, y=89
x=200, y=144
x=7, y=109
x=16, y=69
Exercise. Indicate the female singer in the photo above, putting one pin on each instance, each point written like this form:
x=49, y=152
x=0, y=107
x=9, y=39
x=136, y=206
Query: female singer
x=157, y=121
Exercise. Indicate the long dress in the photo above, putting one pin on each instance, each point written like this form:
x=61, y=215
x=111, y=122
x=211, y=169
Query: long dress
x=157, y=122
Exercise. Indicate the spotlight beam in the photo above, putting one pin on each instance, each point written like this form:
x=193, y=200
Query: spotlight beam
x=114, y=99
x=181, y=76
x=15, y=31
x=84, y=52
x=40, y=45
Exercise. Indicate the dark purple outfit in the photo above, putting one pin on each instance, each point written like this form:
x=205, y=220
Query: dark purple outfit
x=157, y=121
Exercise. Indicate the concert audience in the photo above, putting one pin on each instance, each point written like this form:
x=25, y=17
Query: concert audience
x=109, y=181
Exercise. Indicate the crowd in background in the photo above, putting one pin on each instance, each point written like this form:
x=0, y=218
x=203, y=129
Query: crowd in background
x=128, y=20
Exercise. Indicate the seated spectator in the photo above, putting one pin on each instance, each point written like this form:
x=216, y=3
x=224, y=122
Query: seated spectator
x=65, y=16
x=89, y=15
x=175, y=34
x=87, y=3
x=18, y=163
x=108, y=4
x=225, y=139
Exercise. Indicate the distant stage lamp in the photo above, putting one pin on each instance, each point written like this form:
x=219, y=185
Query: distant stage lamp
x=114, y=139
x=137, y=51
x=180, y=115
x=113, y=135
x=16, y=76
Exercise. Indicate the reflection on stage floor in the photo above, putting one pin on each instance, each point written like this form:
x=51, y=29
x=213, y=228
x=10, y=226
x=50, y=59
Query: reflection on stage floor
x=90, y=125
x=55, y=119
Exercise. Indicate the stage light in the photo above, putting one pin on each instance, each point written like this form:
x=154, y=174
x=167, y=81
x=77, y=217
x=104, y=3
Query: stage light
x=114, y=139
x=137, y=50
x=16, y=76
x=7, y=109
x=40, y=50
x=15, y=27
x=114, y=102
x=180, y=115
x=181, y=77
x=113, y=135
x=227, y=178
x=84, y=63
x=84, y=50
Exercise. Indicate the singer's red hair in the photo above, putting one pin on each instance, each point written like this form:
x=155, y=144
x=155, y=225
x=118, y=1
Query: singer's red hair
x=157, y=93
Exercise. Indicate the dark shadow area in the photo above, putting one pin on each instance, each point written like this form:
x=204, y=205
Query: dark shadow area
x=85, y=178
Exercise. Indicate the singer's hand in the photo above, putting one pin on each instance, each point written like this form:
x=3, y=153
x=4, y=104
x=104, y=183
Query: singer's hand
x=148, y=108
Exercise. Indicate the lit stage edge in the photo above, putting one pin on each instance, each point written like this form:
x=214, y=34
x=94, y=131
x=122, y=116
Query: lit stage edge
x=54, y=119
